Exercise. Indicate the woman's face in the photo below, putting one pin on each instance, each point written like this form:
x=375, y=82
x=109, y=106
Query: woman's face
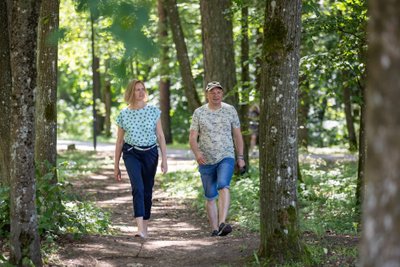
x=139, y=92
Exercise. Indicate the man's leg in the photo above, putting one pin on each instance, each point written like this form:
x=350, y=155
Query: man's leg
x=212, y=213
x=223, y=205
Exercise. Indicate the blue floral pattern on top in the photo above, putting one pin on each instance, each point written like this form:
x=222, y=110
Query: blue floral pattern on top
x=139, y=125
x=215, y=131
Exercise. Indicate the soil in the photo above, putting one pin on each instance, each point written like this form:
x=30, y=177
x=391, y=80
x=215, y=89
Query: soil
x=178, y=235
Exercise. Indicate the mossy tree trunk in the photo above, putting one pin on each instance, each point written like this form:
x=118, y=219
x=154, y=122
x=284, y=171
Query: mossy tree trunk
x=5, y=95
x=280, y=239
x=46, y=93
x=380, y=245
x=218, y=48
x=24, y=237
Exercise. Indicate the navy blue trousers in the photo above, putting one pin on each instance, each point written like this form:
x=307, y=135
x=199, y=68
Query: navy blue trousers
x=141, y=167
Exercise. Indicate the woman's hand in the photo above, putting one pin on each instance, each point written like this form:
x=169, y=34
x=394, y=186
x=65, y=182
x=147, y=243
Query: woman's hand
x=117, y=174
x=164, y=166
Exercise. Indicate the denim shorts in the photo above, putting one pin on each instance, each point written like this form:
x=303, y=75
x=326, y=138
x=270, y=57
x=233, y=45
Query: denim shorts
x=216, y=177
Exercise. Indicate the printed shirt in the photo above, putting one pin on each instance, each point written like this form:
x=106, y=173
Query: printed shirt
x=139, y=125
x=215, y=131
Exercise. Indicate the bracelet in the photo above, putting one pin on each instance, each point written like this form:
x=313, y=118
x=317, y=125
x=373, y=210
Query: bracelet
x=240, y=157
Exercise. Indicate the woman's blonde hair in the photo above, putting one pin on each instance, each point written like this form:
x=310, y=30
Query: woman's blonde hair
x=130, y=91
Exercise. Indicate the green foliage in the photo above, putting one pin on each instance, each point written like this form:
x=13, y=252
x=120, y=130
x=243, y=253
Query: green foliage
x=326, y=200
x=328, y=197
x=59, y=210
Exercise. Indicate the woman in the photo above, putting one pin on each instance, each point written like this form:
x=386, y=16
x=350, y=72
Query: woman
x=139, y=128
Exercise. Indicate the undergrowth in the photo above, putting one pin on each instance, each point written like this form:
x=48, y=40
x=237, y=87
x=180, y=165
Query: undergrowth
x=59, y=210
x=326, y=198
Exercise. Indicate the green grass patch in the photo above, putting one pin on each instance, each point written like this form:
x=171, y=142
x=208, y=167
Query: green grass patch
x=326, y=199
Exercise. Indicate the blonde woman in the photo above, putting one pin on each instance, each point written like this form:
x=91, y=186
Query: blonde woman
x=139, y=131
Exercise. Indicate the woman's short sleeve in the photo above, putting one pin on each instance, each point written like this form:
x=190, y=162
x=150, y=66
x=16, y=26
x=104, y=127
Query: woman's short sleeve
x=119, y=120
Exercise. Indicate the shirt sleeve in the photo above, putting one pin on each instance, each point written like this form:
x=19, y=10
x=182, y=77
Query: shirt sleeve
x=235, y=119
x=119, y=120
x=195, y=122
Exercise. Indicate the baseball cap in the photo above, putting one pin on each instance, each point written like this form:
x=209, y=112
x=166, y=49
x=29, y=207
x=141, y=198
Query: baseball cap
x=212, y=85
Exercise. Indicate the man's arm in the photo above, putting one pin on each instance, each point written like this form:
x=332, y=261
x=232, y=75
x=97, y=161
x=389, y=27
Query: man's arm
x=238, y=139
x=195, y=147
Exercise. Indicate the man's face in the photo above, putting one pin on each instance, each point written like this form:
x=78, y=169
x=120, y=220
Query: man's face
x=215, y=95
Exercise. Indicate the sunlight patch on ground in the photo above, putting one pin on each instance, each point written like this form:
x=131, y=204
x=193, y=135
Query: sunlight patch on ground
x=117, y=200
x=187, y=245
x=98, y=177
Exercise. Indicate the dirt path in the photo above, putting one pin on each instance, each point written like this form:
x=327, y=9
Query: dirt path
x=178, y=236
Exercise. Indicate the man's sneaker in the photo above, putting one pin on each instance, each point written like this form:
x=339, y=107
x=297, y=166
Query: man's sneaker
x=224, y=229
x=214, y=233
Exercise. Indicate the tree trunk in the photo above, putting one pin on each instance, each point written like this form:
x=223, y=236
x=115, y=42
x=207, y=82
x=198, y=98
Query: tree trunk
x=46, y=95
x=218, y=49
x=24, y=238
x=279, y=227
x=362, y=156
x=107, y=97
x=95, y=83
x=164, y=85
x=5, y=96
x=182, y=55
x=380, y=243
x=349, y=114
x=244, y=62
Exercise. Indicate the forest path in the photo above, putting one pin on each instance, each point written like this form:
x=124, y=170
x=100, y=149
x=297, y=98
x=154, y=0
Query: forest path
x=178, y=235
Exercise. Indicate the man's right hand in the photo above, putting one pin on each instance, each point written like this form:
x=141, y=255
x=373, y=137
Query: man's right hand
x=200, y=158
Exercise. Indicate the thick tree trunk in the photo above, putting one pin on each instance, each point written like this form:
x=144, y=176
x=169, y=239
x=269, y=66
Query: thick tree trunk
x=218, y=49
x=24, y=239
x=244, y=105
x=164, y=85
x=46, y=96
x=182, y=55
x=5, y=95
x=349, y=115
x=380, y=245
x=279, y=227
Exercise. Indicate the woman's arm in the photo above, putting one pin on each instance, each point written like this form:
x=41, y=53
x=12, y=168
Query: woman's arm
x=163, y=146
x=118, y=151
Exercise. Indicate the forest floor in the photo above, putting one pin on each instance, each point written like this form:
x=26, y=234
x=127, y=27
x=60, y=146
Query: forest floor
x=178, y=234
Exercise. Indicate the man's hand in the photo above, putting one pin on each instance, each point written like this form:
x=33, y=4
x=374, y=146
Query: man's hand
x=200, y=158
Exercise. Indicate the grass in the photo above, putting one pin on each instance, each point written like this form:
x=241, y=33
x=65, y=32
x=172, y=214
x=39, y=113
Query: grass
x=326, y=198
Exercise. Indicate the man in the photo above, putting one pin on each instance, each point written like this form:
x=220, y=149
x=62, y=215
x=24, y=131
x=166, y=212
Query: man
x=214, y=132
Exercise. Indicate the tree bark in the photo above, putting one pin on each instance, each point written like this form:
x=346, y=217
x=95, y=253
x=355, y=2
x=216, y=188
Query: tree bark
x=380, y=243
x=182, y=55
x=165, y=82
x=349, y=115
x=24, y=239
x=362, y=156
x=46, y=96
x=244, y=62
x=5, y=95
x=218, y=48
x=279, y=227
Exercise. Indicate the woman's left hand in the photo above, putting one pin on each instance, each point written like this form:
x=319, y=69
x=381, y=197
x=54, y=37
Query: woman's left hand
x=164, y=166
